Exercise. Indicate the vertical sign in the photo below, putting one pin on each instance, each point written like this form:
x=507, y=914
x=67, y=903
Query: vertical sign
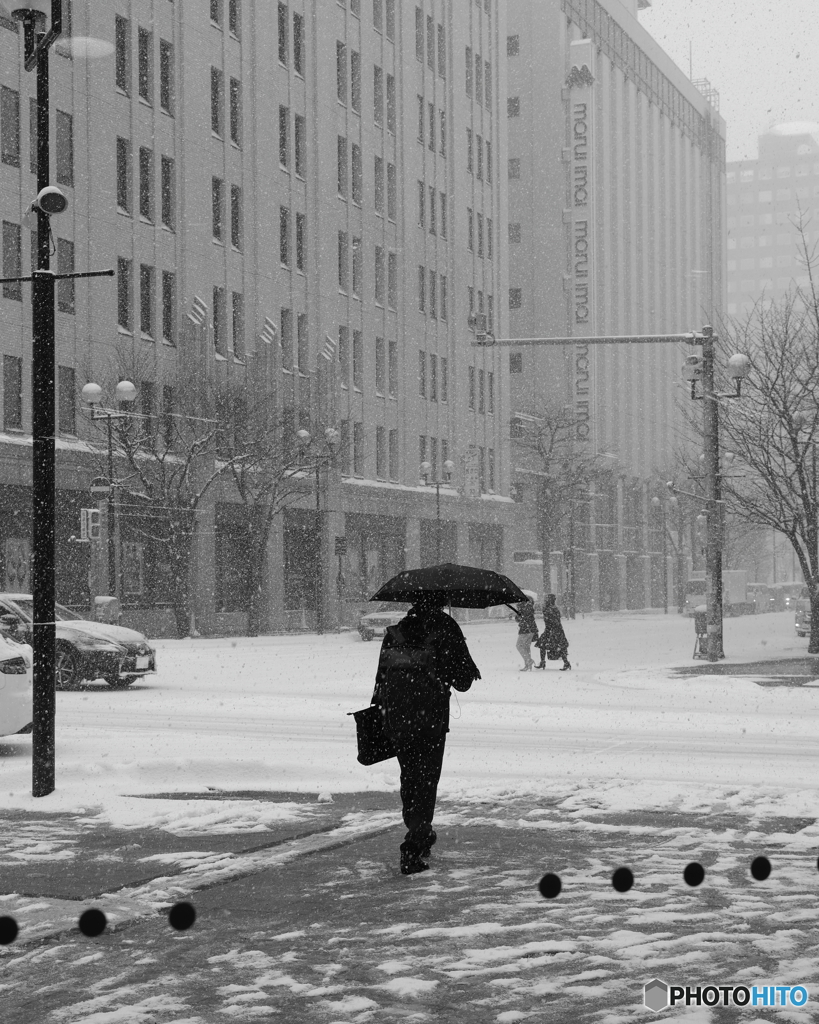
x=581, y=243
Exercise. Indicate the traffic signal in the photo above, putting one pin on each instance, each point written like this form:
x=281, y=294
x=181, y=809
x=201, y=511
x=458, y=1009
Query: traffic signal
x=89, y=524
x=693, y=368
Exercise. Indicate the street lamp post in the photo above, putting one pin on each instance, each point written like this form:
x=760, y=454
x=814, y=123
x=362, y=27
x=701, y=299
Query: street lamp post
x=659, y=503
x=126, y=394
x=426, y=469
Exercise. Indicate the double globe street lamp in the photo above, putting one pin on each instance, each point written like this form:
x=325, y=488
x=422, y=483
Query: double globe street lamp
x=426, y=471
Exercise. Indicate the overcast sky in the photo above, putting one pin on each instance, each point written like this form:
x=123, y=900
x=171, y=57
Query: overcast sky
x=761, y=55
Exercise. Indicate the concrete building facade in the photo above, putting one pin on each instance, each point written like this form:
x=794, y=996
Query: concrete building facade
x=767, y=199
x=616, y=179
x=264, y=178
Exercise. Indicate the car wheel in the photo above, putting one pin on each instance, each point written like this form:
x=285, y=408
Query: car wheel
x=66, y=668
x=116, y=682
x=367, y=636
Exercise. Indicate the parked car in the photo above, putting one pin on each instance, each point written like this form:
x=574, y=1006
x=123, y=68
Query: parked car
x=802, y=618
x=374, y=623
x=15, y=686
x=85, y=649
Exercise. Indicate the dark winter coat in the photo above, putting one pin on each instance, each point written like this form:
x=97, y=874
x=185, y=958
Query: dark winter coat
x=454, y=667
x=526, y=619
x=553, y=638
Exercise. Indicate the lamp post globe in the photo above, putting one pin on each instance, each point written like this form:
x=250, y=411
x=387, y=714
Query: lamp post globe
x=126, y=391
x=92, y=394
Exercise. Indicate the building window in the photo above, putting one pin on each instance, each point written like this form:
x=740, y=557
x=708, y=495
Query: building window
x=481, y=392
x=422, y=450
x=355, y=81
x=124, y=294
x=479, y=155
x=358, y=360
x=513, y=46
x=10, y=127
x=479, y=226
x=419, y=34
x=236, y=217
x=444, y=382
x=236, y=112
x=380, y=368
x=489, y=242
x=168, y=193
x=441, y=52
x=470, y=229
x=357, y=193
x=284, y=137
x=166, y=77
x=442, y=310
x=344, y=355
x=341, y=72
x=469, y=70
x=169, y=307
x=218, y=208
x=341, y=153
x=379, y=275
x=433, y=293
x=358, y=267
x=378, y=15
x=443, y=133
x=219, y=317
x=343, y=261
x=490, y=465
x=301, y=242
x=422, y=373
x=298, y=44
x=145, y=68
x=216, y=104
x=378, y=175
x=378, y=97
x=146, y=301
x=490, y=392
x=513, y=106
x=146, y=184
x=12, y=260
x=392, y=368
x=433, y=378
x=422, y=204
x=66, y=400
x=283, y=40
x=515, y=298
x=65, y=265
x=392, y=280
x=393, y=455
x=420, y=119
x=122, y=54
x=471, y=382
x=516, y=362
x=234, y=20
x=286, y=316
x=380, y=453
x=284, y=236
x=392, y=192
x=422, y=284
x=514, y=168
x=216, y=12
x=302, y=344
x=514, y=233
x=391, y=19
x=358, y=449
x=391, y=107
x=469, y=150
x=487, y=83
x=430, y=42
x=65, y=148
x=488, y=161
x=12, y=393
x=442, y=211
x=431, y=109
x=478, y=78
x=300, y=132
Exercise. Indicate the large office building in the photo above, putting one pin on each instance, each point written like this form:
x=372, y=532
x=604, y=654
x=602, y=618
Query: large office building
x=263, y=178
x=616, y=178
x=768, y=199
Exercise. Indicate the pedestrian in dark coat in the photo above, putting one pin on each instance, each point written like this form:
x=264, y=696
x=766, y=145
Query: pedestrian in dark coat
x=417, y=717
x=527, y=632
x=553, y=639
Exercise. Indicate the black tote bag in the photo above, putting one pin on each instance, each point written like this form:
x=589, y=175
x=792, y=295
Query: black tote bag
x=374, y=744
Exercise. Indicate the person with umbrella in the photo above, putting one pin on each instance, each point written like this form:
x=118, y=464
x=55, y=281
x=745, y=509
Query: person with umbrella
x=422, y=658
x=553, y=639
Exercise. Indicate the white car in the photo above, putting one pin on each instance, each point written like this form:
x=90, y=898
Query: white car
x=375, y=623
x=16, y=661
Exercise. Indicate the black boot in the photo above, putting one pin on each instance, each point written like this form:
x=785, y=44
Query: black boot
x=412, y=863
x=566, y=665
x=433, y=838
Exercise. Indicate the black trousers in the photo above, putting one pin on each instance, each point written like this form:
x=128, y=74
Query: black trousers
x=420, y=758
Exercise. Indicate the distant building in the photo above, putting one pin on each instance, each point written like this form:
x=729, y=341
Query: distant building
x=766, y=199
x=322, y=168
x=616, y=224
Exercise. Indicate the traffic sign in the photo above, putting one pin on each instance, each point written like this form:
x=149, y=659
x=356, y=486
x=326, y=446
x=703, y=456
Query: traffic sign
x=101, y=486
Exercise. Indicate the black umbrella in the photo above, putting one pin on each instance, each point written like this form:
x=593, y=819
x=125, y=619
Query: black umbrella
x=462, y=586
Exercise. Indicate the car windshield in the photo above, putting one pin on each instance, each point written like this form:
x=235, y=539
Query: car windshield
x=61, y=613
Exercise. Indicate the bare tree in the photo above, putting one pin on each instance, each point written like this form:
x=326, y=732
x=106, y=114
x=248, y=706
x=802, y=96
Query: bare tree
x=559, y=466
x=774, y=428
